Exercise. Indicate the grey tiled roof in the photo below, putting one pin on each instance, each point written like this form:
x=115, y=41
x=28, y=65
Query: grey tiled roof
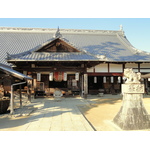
x=93, y=44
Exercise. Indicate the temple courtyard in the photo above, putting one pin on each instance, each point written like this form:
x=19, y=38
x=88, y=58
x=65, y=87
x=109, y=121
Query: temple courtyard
x=67, y=114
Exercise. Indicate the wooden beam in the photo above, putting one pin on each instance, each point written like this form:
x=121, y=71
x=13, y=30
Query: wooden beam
x=105, y=74
x=77, y=69
x=138, y=67
x=108, y=67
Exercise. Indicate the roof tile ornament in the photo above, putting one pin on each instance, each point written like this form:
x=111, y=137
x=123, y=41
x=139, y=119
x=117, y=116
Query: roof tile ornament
x=57, y=34
x=8, y=55
x=121, y=27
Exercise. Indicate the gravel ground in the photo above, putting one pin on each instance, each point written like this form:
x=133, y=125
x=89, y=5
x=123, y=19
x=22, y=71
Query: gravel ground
x=101, y=111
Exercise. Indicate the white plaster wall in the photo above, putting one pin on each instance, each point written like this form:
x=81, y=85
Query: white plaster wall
x=145, y=70
x=145, y=65
x=135, y=70
x=131, y=65
x=101, y=68
x=90, y=69
x=115, y=68
x=119, y=68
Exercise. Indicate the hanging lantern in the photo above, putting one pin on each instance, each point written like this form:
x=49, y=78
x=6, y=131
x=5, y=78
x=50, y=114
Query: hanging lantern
x=112, y=79
x=58, y=76
x=51, y=76
x=38, y=76
x=95, y=79
x=65, y=76
x=104, y=79
x=119, y=79
x=77, y=76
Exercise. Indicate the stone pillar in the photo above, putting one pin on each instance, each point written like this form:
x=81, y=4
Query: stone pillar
x=85, y=85
x=132, y=114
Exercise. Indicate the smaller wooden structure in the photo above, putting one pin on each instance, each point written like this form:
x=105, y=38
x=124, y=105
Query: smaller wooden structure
x=8, y=79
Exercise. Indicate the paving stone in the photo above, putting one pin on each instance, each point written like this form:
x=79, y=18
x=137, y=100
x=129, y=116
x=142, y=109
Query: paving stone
x=50, y=115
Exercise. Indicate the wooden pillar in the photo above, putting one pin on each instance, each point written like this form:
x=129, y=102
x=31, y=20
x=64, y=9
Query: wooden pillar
x=29, y=94
x=29, y=84
x=146, y=85
x=108, y=67
x=138, y=67
x=85, y=85
x=34, y=86
x=123, y=67
x=82, y=86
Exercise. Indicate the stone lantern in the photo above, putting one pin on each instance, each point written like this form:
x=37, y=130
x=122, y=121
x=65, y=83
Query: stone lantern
x=132, y=114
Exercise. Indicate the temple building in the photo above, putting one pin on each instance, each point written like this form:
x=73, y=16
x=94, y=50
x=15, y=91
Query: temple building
x=75, y=61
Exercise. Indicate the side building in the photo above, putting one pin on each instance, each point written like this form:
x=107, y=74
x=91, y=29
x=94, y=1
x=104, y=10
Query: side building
x=76, y=61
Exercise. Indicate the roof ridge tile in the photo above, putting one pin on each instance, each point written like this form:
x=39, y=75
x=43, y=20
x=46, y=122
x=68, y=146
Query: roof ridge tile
x=53, y=30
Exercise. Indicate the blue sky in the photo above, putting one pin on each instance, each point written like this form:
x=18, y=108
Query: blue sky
x=137, y=30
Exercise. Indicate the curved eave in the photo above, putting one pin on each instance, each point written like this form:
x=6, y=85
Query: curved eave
x=103, y=60
x=43, y=56
x=11, y=61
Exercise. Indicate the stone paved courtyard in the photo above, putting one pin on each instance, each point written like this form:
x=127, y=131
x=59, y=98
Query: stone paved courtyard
x=68, y=114
x=49, y=115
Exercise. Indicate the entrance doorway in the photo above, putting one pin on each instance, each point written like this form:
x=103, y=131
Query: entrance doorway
x=56, y=84
x=69, y=87
x=107, y=84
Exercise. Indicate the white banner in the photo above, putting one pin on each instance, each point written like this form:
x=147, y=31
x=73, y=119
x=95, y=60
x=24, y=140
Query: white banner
x=65, y=76
x=95, y=79
x=104, y=79
x=51, y=76
x=112, y=79
x=119, y=79
x=77, y=76
x=38, y=76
